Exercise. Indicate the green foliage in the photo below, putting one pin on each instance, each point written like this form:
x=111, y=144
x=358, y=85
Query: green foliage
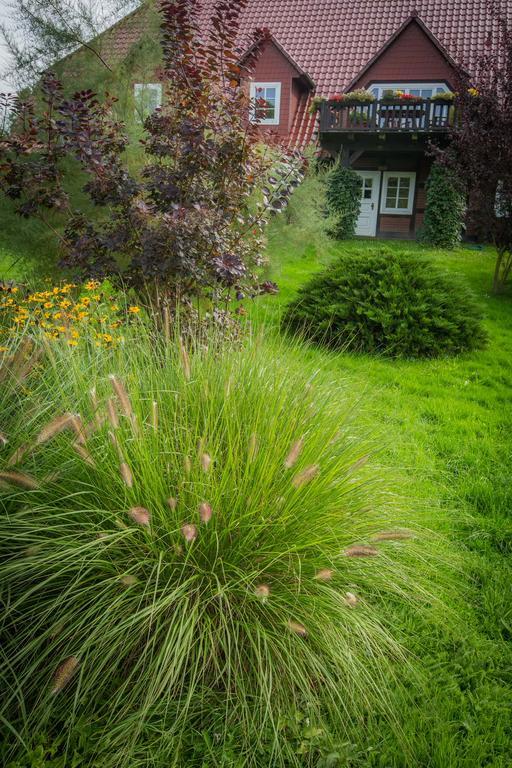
x=177, y=225
x=444, y=96
x=316, y=104
x=445, y=211
x=178, y=560
x=446, y=428
x=383, y=302
x=343, y=200
x=361, y=95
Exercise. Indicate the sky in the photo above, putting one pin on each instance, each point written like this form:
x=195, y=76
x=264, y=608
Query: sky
x=5, y=18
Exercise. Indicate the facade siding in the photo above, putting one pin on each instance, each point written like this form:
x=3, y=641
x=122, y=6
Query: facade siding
x=411, y=57
x=397, y=226
x=272, y=67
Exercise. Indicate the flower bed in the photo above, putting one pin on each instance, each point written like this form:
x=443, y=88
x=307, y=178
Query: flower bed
x=65, y=312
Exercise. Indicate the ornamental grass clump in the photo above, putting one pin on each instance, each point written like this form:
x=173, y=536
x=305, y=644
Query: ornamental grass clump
x=213, y=559
x=385, y=302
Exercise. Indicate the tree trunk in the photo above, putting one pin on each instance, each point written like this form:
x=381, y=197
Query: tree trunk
x=502, y=270
x=496, y=282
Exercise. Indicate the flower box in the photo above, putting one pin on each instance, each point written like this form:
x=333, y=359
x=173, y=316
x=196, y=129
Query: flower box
x=444, y=98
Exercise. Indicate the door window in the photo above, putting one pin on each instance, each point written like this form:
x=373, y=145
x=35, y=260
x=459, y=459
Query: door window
x=367, y=189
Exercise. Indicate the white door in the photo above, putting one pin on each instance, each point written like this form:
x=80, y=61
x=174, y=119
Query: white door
x=367, y=221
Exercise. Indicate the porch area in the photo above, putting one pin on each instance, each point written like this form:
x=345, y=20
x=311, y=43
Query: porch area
x=386, y=116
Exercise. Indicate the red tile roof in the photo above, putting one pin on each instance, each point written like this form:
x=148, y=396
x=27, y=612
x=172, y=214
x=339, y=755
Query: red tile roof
x=332, y=40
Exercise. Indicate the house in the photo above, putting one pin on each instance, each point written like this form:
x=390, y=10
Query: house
x=327, y=48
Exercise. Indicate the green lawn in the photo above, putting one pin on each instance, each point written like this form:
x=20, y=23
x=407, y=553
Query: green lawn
x=445, y=426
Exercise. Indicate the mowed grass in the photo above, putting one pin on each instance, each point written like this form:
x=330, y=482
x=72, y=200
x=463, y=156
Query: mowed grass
x=446, y=426
x=445, y=429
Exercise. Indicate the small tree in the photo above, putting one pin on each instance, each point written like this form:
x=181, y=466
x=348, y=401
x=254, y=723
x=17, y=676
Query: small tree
x=343, y=201
x=446, y=206
x=480, y=150
x=191, y=223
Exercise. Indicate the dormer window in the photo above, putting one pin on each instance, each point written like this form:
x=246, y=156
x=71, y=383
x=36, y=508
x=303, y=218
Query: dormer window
x=265, y=103
x=425, y=90
x=147, y=98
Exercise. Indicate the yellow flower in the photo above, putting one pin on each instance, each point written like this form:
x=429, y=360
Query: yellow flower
x=57, y=315
x=75, y=334
x=48, y=304
x=72, y=343
x=114, y=307
x=3, y=349
x=65, y=304
x=91, y=285
x=134, y=310
x=108, y=338
x=473, y=92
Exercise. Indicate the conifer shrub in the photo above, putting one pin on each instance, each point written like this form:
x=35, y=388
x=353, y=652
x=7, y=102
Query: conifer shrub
x=343, y=197
x=380, y=301
x=445, y=209
x=189, y=555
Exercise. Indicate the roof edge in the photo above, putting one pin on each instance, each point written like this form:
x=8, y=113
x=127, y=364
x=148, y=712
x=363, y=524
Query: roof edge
x=271, y=39
x=414, y=18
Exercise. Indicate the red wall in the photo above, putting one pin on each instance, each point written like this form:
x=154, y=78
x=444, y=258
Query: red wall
x=411, y=57
x=272, y=67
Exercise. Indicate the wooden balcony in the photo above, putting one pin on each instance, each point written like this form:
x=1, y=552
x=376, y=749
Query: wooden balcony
x=386, y=116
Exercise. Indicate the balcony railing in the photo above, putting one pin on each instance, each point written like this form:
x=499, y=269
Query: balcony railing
x=386, y=116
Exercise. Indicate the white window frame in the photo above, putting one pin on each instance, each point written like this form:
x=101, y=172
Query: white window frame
x=273, y=120
x=407, y=87
x=138, y=88
x=412, y=188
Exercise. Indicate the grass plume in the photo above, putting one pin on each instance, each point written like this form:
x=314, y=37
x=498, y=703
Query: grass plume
x=204, y=596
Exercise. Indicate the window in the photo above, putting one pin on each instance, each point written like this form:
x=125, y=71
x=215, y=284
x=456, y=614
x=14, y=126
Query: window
x=367, y=191
x=266, y=103
x=147, y=97
x=425, y=90
x=398, y=192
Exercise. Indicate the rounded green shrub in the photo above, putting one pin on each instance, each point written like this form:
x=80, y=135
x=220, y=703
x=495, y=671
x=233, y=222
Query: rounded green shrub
x=379, y=301
x=445, y=209
x=343, y=197
x=192, y=552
